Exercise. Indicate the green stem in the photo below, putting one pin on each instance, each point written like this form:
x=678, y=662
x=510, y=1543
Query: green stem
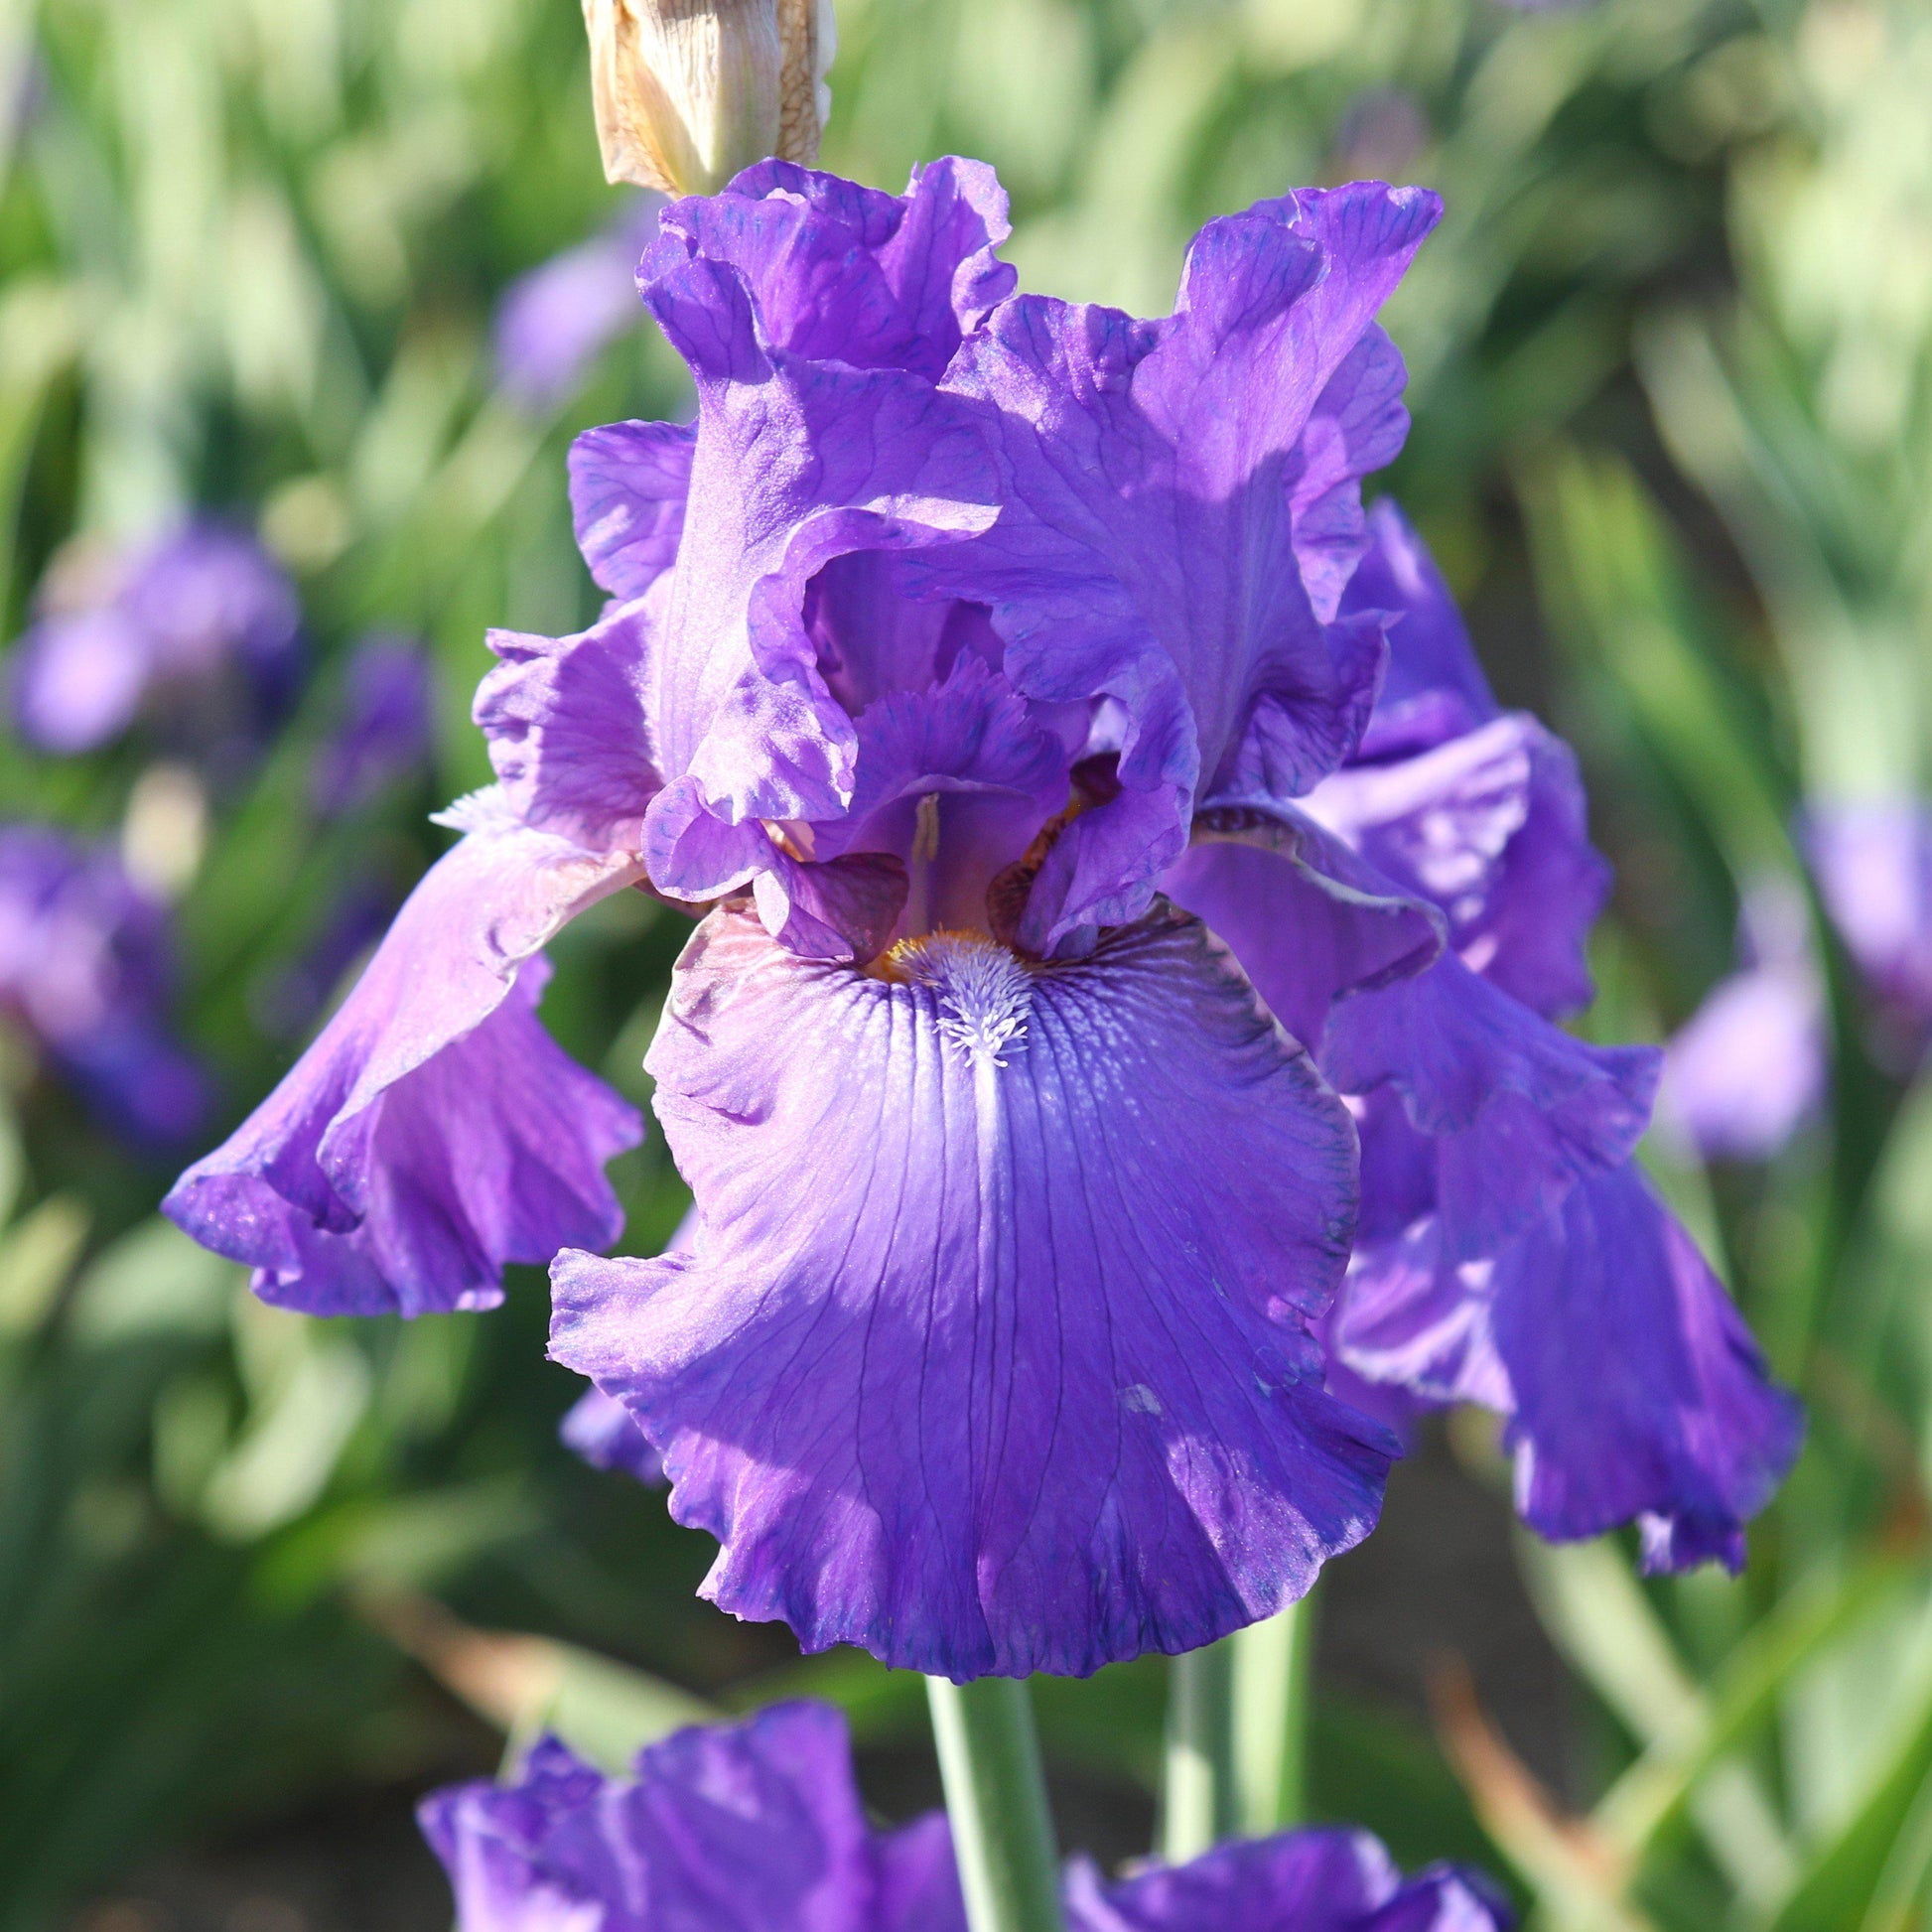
x=995, y=1798
x=1199, y=1791
x=1270, y=1696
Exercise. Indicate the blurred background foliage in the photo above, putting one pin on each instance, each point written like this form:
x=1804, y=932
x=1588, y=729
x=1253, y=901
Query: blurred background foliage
x=1670, y=370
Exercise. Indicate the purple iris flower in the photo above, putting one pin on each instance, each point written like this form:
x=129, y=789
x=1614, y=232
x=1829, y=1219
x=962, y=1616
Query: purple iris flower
x=1750, y=1066
x=980, y=1292
x=200, y=631
x=555, y=320
x=760, y=1825
x=86, y=974
x=1874, y=864
x=384, y=733
x=757, y=1825
x=1507, y=1236
x=999, y=670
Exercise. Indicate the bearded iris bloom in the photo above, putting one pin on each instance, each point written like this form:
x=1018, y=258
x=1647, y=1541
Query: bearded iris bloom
x=759, y=1824
x=995, y=670
x=198, y=632
x=86, y=976
x=1752, y=1064
x=556, y=319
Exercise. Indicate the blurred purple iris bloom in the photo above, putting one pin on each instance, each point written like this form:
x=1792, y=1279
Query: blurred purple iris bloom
x=553, y=323
x=1751, y=1064
x=384, y=733
x=200, y=632
x=760, y=1825
x=1007, y=672
x=87, y=975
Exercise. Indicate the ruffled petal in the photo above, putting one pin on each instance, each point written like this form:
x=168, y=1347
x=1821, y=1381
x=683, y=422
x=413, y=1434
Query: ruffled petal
x=987, y=1356
x=1676, y=1422
x=797, y=463
x=627, y=487
x=1632, y=1389
x=835, y=909
x=1318, y=1880
x=1518, y=1109
x=492, y=1841
x=1489, y=826
x=1410, y=1320
x=740, y=1828
x=1146, y=550
x=838, y=272
x=1434, y=686
x=433, y=1132
x=565, y=722
x=1358, y=425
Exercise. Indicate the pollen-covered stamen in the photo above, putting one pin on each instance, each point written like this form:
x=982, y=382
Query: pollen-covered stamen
x=984, y=992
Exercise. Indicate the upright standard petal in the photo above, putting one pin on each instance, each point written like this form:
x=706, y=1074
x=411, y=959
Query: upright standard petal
x=754, y=1827
x=1327, y=1880
x=985, y=1355
x=839, y=272
x=627, y=487
x=565, y=721
x=433, y=1132
x=819, y=434
x=1152, y=477
x=1434, y=686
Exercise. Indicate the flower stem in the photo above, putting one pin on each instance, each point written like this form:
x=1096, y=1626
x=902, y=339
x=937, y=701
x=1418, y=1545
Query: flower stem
x=1199, y=1792
x=995, y=1798
x=1269, y=1719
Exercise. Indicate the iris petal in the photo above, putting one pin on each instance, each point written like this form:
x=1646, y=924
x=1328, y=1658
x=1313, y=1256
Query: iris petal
x=433, y=1132
x=1325, y=1880
x=985, y=1355
x=740, y=1827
